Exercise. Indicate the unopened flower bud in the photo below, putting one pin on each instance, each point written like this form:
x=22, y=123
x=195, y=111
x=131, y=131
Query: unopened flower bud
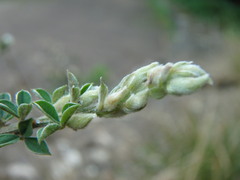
x=138, y=82
x=61, y=102
x=89, y=97
x=157, y=78
x=187, y=85
x=186, y=78
x=116, y=98
x=186, y=69
x=135, y=80
x=136, y=101
x=80, y=120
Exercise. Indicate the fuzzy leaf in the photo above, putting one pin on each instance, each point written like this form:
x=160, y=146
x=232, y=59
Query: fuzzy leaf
x=5, y=96
x=85, y=87
x=23, y=97
x=33, y=145
x=4, y=116
x=43, y=94
x=9, y=107
x=67, y=106
x=46, y=131
x=73, y=87
x=25, y=127
x=48, y=109
x=72, y=80
x=24, y=110
x=7, y=139
x=58, y=93
x=67, y=113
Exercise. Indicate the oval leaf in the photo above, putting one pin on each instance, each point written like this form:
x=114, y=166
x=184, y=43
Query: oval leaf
x=7, y=139
x=25, y=127
x=4, y=116
x=43, y=94
x=72, y=80
x=48, y=109
x=23, y=97
x=9, y=107
x=33, y=145
x=67, y=114
x=66, y=106
x=58, y=93
x=46, y=131
x=85, y=87
x=24, y=110
x=5, y=96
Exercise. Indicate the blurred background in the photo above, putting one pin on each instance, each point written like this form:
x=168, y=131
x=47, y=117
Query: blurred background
x=176, y=138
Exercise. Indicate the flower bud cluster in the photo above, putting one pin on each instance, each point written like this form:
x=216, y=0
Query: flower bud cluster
x=154, y=80
x=131, y=94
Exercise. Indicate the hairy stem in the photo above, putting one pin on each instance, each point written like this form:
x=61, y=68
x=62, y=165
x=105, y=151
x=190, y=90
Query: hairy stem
x=13, y=127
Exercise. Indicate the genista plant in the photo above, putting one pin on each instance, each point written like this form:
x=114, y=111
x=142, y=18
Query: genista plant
x=75, y=106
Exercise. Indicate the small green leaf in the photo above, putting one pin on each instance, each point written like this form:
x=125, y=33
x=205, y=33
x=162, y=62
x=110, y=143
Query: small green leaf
x=34, y=146
x=7, y=139
x=73, y=87
x=67, y=114
x=46, y=131
x=23, y=97
x=9, y=107
x=5, y=96
x=25, y=127
x=85, y=87
x=24, y=110
x=4, y=116
x=67, y=106
x=72, y=80
x=103, y=91
x=43, y=94
x=58, y=93
x=75, y=93
x=48, y=109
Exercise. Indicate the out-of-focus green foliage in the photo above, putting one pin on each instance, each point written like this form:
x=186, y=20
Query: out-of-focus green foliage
x=223, y=12
x=193, y=149
x=99, y=70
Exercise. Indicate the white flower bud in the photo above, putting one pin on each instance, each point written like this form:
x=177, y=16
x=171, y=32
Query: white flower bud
x=135, y=81
x=114, y=99
x=157, y=78
x=80, y=120
x=89, y=97
x=61, y=102
x=136, y=101
x=187, y=85
x=186, y=78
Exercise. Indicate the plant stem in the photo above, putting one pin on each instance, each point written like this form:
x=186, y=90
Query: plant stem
x=13, y=127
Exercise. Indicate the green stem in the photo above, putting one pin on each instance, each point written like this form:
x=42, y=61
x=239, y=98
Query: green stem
x=13, y=127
